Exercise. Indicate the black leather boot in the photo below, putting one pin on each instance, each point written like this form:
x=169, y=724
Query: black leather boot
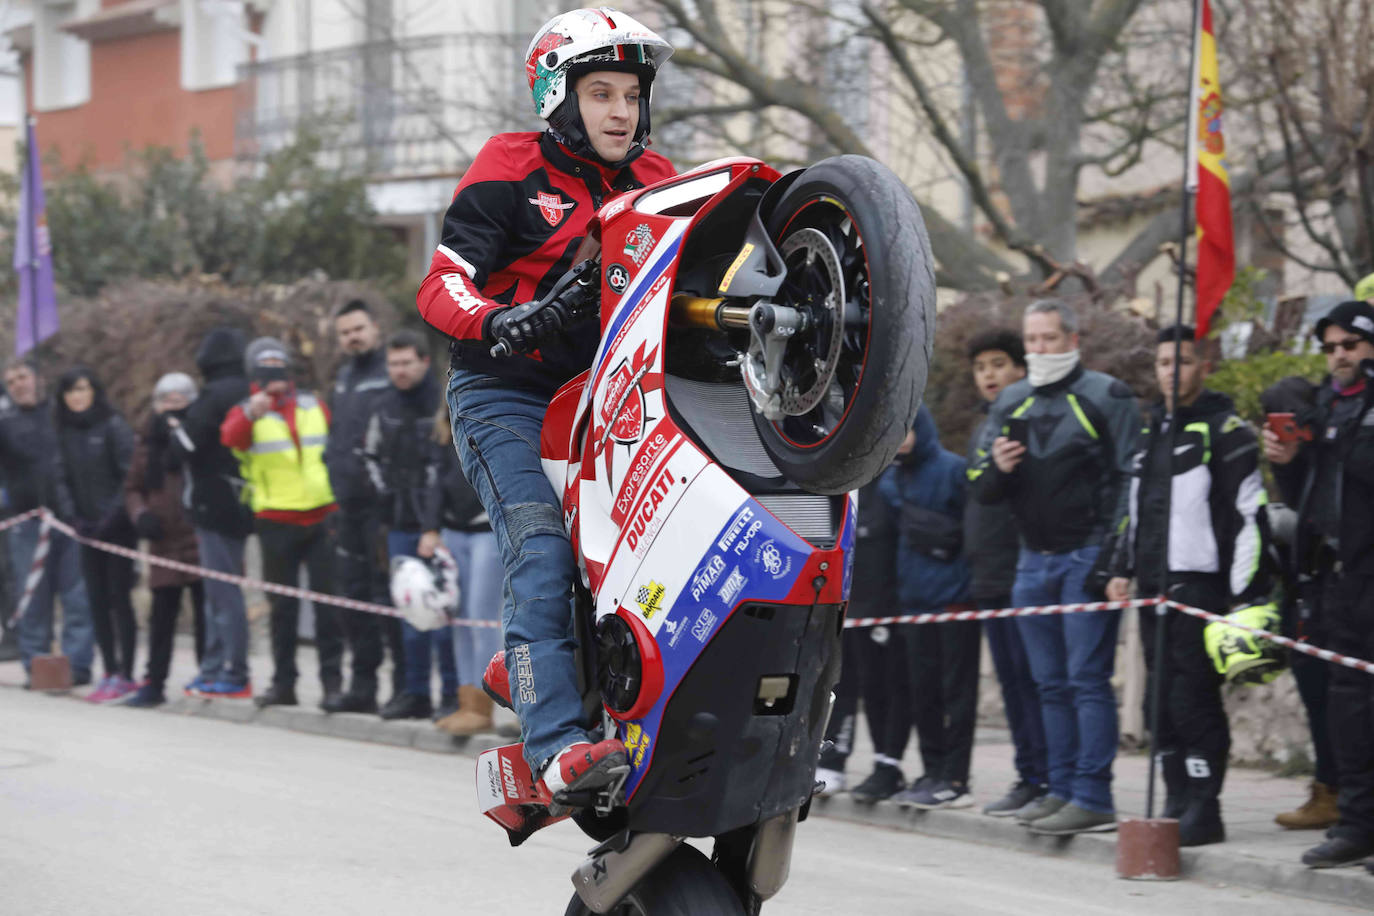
x=1200, y=822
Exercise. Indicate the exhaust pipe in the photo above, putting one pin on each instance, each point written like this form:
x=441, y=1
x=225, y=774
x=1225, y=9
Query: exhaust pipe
x=770, y=859
x=617, y=865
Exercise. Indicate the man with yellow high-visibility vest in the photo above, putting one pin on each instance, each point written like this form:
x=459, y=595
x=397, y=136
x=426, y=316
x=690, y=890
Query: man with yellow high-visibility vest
x=279, y=436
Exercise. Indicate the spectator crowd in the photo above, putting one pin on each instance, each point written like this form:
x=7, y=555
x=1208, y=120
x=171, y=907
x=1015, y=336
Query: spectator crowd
x=335, y=487
x=1062, y=498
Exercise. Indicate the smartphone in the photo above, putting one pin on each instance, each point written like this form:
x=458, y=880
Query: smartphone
x=1285, y=426
x=1018, y=430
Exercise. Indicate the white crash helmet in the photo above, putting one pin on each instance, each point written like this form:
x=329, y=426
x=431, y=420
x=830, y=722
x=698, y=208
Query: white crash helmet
x=581, y=40
x=425, y=591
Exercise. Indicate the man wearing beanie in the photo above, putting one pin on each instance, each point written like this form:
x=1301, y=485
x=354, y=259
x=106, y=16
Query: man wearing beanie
x=279, y=436
x=221, y=520
x=1331, y=480
x=1058, y=447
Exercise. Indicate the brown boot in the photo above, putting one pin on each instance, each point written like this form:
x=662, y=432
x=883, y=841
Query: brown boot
x=1318, y=812
x=473, y=716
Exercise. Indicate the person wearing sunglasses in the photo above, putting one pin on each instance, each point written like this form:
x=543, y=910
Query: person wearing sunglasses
x=1331, y=480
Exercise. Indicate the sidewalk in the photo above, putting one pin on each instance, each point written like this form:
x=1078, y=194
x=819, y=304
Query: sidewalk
x=1258, y=854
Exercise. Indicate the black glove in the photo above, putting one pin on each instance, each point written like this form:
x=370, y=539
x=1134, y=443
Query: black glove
x=525, y=328
x=149, y=526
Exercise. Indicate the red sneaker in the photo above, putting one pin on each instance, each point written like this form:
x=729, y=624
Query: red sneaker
x=496, y=681
x=586, y=766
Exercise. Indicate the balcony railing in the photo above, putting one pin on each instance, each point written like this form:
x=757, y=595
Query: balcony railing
x=410, y=107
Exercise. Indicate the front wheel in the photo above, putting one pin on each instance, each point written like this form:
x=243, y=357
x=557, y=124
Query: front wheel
x=859, y=268
x=684, y=884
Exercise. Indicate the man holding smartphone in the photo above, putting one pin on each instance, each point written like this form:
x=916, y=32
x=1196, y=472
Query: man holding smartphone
x=1065, y=475
x=1331, y=480
x=1200, y=489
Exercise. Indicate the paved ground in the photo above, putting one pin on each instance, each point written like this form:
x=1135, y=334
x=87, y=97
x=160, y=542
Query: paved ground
x=1257, y=855
x=129, y=811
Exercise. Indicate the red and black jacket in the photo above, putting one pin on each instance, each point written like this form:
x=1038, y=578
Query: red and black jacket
x=516, y=220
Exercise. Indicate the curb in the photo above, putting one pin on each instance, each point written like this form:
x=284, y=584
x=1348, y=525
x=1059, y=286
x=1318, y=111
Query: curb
x=1213, y=864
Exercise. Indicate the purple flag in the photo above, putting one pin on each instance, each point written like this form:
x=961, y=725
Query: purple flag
x=33, y=258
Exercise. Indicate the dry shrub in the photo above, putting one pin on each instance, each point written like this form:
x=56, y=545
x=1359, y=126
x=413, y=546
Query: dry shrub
x=136, y=330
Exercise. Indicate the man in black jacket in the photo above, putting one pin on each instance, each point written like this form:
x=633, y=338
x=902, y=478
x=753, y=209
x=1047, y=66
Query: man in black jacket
x=1333, y=478
x=32, y=465
x=991, y=545
x=404, y=461
x=222, y=520
x=361, y=382
x=1201, y=490
x=1058, y=447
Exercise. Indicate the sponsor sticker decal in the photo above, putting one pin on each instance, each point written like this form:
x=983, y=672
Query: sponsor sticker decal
x=508, y=778
x=650, y=599
x=645, y=515
x=743, y=256
x=736, y=526
x=706, y=620
x=552, y=206
x=638, y=243
x=636, y=743
x=617, y=277
x=674, y=629
x=731, y=589
x=774, y=561
x=524, y=674
x=743, y=544
x=706, y=576
x=629, y=488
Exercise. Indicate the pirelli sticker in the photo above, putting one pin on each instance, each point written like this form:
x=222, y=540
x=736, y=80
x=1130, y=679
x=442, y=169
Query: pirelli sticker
x=740, y=258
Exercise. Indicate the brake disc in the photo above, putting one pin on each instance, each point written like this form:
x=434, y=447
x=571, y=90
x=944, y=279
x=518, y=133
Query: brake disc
x=819, y=253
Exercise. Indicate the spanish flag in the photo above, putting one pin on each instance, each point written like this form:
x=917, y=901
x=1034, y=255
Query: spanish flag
x=1207, y=178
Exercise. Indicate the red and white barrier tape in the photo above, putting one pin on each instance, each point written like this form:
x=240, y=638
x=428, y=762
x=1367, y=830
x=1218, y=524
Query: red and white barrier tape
x=947, y=616
x=1325, y=655
x=290, y=591
x=40, y=558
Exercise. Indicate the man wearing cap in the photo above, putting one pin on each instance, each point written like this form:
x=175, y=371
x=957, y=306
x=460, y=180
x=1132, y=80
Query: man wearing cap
x=1331, y=480
x=279, y=436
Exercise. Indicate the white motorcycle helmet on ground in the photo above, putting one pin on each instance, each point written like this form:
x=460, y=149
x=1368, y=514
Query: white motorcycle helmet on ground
x=581, y=41
x=425, y=591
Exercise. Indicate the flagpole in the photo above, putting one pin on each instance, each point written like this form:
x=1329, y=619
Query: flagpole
x=1189, y=188
x=30, y=230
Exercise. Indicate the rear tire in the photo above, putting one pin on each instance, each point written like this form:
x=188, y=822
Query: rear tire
x=876, y=228
x=684, y=884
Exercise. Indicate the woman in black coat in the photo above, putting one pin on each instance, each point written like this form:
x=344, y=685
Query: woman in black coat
x=97, y=446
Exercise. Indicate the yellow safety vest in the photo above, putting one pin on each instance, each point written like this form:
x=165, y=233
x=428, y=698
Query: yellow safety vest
x=282, y=477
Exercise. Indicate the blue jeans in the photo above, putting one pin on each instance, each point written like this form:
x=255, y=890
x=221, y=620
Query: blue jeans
x=422, y=646
x=496, y=431
x=1071, y=658
x=61, y=578
x=1020, y=699
x=481, y=580
x=226, y=619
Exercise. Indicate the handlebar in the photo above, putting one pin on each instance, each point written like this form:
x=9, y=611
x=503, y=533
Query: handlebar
x=576, y=294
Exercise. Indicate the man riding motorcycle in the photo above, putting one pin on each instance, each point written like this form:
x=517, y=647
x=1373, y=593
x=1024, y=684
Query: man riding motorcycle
x=517, y=218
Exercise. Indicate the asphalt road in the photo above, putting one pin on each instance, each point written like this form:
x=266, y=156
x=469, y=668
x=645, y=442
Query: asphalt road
x=130, y=811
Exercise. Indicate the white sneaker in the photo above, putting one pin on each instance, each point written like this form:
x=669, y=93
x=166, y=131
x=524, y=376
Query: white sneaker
x=834, y=780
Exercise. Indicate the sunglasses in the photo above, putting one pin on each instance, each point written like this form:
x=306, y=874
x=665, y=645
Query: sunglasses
x=1349, y=345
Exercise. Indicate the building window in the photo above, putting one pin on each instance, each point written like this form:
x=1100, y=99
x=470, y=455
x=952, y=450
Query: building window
x=214, y=41
x=61, y=61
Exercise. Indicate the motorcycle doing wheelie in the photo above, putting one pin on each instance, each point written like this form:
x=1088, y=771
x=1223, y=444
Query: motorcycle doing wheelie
x=765, y=341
